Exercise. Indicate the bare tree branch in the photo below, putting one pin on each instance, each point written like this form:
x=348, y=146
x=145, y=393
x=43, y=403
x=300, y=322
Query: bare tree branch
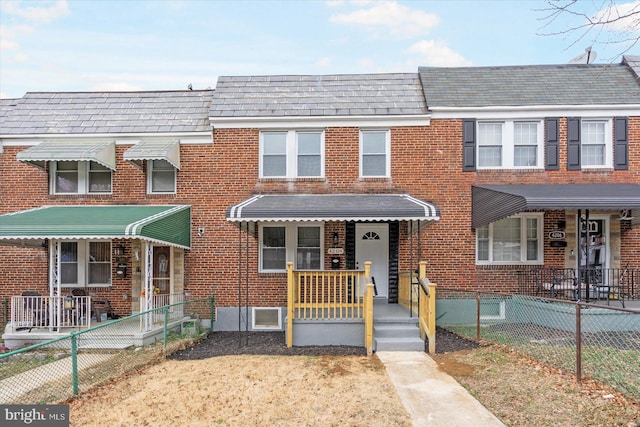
x=608, y=22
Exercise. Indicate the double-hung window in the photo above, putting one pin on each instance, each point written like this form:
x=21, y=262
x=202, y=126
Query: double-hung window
x=298, y=243
x=85, y=263
x=292, y=154
x=510, y=144
x=514, y=240
x=161, y=177
x=73, y=177
x=595, y=143
x=375, y=153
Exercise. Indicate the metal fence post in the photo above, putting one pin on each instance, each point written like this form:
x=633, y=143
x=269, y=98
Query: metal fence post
x=165, y=329
x=5, y=313
x=478, y=316
x=578, y=343
x=74, y=362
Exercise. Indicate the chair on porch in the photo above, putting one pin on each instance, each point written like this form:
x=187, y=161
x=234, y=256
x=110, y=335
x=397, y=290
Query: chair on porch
x=35, y=310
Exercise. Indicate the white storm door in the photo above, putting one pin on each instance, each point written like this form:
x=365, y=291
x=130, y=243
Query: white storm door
x=372, y=244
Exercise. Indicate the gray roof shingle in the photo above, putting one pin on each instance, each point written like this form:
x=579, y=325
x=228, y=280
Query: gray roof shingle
x=633, y=62
x=89, y=113
x=318, y=95
x=529, y=85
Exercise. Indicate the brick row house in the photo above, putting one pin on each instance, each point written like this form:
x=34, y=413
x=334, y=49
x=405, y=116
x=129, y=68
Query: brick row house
x=482, y=172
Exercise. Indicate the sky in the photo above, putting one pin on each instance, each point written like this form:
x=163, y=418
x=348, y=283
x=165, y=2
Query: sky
x=85, y=45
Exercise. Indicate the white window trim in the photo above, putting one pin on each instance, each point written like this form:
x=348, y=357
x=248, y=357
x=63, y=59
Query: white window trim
x=259, y=327
x=508, y=145
x=387, y=153
x=149, y=164
x=608, y=142
x=83, y=180
x=291, y=243
x=291, y=153
x=501, y=311
x=83, y=265
x=523, y=240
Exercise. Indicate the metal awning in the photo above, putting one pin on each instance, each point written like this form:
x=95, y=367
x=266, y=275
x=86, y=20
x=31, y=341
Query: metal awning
x=99, y=152
x=333, y=207
x=491, y=203
x=169, y=224
x=154, y=150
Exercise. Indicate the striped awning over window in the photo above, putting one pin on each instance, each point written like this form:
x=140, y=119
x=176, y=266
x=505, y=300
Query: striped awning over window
x=168, y=224
x=103, y=153
x=154, y=150
x=333, y=207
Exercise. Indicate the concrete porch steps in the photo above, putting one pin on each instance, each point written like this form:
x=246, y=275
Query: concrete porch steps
x=396, y=334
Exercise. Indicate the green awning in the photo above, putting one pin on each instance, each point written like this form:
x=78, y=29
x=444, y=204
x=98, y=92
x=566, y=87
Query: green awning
x=103, y=153
x=168, y=224
x=154, y=150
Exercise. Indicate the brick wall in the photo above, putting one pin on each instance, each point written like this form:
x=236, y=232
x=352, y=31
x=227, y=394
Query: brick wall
x=425, y=162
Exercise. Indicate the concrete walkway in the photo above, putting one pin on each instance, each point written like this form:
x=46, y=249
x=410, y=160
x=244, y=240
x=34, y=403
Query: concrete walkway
x=431, y=397
x=13, y=388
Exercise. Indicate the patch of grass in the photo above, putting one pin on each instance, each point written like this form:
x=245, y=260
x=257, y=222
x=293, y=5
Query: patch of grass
x=16, y=365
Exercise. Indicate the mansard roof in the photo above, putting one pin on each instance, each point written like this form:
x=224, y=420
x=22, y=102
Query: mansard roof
x=318, y=95
x=87, y=113
x=568, y=84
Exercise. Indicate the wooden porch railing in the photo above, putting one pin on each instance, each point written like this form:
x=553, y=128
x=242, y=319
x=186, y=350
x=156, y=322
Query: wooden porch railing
x=330, y=294
x=29, y=312
x=418, y=294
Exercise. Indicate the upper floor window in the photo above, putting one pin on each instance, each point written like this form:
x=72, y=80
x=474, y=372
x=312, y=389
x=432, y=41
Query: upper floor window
x=85, y=263
x=375, y=153
x=510, y=144
x=514, y=240
x=292, y=154
x=161, y=177
x=301, y=244
x=595, y=144
x=71, y=177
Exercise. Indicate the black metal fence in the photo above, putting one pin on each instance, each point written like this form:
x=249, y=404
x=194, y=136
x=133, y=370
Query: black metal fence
x=598, y=342
x=602, y=285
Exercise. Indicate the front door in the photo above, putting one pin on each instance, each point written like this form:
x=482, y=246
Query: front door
x=162, y=269
x=594, y=253
x=372, y=244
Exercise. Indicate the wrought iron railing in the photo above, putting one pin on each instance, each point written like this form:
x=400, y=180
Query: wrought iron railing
x=592, y=284
x=50, y=312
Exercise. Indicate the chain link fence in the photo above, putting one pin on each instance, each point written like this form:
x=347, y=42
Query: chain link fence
x=592, y=341
x=56, y=370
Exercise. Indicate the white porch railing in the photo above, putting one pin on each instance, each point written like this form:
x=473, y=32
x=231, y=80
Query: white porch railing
x=160, y=300
x=33, y=312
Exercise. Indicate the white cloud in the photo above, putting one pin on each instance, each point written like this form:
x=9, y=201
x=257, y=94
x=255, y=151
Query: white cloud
x=37, y=15
x=436, y=53
x=365, y=63
x=389, y=18
x=630, y=24
x=334, y=3
x=323, y=62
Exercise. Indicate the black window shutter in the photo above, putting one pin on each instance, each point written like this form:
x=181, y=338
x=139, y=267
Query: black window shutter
x=573, y=143
x=620, y=144
x=552, y=154
x=469, y=145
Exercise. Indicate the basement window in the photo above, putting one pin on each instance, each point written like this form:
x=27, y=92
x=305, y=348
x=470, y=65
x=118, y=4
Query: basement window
x=492, y=310
x=266, y=318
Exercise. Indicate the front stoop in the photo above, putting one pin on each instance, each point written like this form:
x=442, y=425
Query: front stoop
x=397, y=334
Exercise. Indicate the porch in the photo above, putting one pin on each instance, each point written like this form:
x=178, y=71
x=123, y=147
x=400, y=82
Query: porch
x=605, y=286
x=340, y=308
x=35, y=319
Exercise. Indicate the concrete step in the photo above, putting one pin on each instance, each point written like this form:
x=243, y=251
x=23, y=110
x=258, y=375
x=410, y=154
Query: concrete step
x=395, y=320
x=393, y=330
x=398, y=344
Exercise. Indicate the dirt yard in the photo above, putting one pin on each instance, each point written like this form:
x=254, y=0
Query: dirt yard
x=253, y=379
